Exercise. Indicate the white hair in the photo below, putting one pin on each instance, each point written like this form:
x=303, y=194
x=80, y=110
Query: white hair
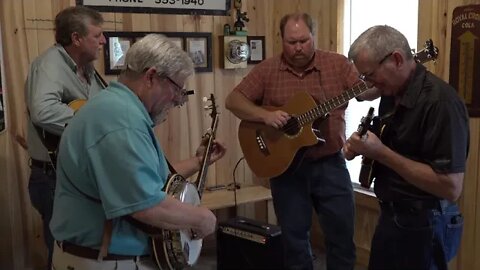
x=155, y=50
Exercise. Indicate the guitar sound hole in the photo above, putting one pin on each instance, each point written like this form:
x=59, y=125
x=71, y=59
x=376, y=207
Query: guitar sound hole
x=292, y=127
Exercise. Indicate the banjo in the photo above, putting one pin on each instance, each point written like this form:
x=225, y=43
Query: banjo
x=177, y=249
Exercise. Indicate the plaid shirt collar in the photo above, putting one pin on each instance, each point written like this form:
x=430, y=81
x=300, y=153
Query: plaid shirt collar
x=314, y=64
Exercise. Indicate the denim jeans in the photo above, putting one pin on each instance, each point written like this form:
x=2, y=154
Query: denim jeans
x=323, y=185
x=416, y=239
x=41, y=188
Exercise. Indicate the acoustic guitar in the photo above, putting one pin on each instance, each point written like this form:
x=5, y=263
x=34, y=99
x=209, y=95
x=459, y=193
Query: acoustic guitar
x=269, y=152
x=51, y=141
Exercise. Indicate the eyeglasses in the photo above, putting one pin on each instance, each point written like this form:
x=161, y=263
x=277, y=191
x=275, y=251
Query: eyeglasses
x=181, y=93
x=180, y=90
x=369, y=75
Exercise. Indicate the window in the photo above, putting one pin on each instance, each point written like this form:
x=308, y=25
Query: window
x=359, y=16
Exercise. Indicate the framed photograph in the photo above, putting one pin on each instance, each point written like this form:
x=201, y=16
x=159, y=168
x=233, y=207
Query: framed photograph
x=118, y=48
x=178, y=41
x=257, y=49
x=115, y=50
x=199, y=47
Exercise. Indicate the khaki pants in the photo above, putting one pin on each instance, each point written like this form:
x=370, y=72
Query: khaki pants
x=66, y=261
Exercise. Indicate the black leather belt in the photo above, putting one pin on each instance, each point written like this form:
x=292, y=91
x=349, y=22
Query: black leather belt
x=90, y=253
x=416, y=205
x=46, y=165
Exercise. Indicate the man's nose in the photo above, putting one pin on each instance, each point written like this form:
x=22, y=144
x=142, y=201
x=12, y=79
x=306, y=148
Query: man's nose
x=298, y=47
x=103, y=40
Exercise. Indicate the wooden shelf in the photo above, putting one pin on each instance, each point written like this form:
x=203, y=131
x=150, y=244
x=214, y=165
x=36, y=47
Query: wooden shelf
x=225, y=198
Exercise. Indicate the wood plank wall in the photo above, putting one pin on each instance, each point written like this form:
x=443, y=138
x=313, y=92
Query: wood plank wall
x=27, y=30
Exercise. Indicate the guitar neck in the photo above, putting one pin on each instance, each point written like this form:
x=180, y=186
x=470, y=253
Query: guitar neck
x=333, y=103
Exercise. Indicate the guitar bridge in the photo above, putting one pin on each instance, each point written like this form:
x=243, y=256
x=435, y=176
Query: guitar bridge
x=262, y=146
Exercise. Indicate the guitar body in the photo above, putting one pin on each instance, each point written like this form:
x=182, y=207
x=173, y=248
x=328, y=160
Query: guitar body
x=50, y=140
x=367, y=175
x=175, y=249
x=77, y=104
x=268, y=151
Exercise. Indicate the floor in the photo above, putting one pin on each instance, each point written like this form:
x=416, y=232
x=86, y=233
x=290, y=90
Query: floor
x=208, y=258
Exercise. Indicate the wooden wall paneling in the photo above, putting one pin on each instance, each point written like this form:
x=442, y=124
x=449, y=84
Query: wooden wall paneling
x=366, y=217
x=45, y=16
x=198, y=118
x=167, y=22
x=474, y=175
x=29, y=10
x=434, y=22
x=469, y=200
x=112, y=21
x=20, y=222
x=340, y=25
x=59, y=5
x=439, y=29
x=322, y=15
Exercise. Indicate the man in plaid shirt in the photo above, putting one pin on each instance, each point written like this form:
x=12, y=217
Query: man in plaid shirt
x=321, y=181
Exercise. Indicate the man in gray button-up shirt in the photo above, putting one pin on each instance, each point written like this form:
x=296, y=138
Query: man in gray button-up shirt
x=62, y=74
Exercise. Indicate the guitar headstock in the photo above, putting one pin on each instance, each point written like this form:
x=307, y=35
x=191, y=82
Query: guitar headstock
x=428, y=53
x=365, y=122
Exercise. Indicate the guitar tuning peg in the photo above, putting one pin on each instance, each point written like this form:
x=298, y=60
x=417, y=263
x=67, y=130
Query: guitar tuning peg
x=204, y=99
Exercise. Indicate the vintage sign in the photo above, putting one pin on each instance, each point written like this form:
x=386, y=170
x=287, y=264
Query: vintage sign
x=465, y=56
x=199, y=7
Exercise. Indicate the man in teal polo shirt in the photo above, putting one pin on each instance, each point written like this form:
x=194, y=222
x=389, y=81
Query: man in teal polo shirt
x=110, y=165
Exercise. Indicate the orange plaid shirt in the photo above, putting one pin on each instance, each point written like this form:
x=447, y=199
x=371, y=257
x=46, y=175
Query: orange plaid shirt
x=273, y=82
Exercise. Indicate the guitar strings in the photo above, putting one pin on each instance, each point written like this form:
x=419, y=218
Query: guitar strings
x=312, y=114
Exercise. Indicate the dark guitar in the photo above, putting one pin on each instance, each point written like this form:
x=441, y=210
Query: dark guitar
x=51, y=141
x=269, y=152
x=379, y=124
x=365, y=176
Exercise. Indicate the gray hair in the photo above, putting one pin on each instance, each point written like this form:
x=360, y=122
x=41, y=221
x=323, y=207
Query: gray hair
x=378, y=41
x=155, y=50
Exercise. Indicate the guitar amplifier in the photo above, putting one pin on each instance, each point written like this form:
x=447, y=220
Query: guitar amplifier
x=244, y=243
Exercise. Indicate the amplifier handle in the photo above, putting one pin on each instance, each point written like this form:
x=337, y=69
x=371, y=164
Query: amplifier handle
x=246, y=222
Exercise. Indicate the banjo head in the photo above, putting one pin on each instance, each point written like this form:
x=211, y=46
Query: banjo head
x=184, y=250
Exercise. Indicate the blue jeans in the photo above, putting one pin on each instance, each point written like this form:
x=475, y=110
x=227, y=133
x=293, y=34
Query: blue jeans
x=41, y=188
x=323, y=185
x=416, y=239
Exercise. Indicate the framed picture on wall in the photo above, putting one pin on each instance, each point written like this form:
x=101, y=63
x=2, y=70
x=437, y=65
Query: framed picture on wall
x=197, y=45
x=257, y=49
x=199, y=48
x=118, y=47
x=178, y=41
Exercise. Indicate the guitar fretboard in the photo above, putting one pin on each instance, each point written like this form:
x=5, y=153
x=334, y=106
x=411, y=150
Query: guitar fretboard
x=331, y=104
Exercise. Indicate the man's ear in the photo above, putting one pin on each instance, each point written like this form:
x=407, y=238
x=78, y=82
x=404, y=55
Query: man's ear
x=149, y=74
x=399, y=58
x=75, y=37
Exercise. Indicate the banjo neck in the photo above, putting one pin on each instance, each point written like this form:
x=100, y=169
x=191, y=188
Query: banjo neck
x=202, y=173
